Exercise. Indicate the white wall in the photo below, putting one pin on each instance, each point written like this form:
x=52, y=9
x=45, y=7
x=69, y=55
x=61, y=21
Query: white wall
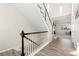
x=32, y=13
x=75, y=24
x=11, y=24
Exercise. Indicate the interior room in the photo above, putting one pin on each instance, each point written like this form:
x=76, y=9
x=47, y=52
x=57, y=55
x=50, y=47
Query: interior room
x=39, y=29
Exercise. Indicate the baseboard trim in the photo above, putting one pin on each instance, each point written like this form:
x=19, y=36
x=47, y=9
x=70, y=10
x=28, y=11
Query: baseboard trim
x=5, y=50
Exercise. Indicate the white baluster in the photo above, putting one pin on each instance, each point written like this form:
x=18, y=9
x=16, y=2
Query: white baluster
x=30, y=45
x=27, y=46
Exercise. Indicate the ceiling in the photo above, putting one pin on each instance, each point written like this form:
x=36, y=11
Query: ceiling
x=60, y=9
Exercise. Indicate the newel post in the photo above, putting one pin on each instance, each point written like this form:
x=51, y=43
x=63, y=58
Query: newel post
x=22, y=35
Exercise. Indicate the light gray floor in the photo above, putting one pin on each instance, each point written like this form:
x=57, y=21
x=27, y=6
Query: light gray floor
x=58, y=47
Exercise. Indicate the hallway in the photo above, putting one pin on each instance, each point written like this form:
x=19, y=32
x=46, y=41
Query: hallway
x=31, y=27
x=58, y=47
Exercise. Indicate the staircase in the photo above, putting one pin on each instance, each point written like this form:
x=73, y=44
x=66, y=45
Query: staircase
x=33, y=42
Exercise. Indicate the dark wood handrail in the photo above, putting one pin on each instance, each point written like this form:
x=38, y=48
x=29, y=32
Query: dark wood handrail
x=35, y=32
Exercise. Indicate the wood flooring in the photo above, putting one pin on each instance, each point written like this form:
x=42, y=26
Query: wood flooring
x=58, y=47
